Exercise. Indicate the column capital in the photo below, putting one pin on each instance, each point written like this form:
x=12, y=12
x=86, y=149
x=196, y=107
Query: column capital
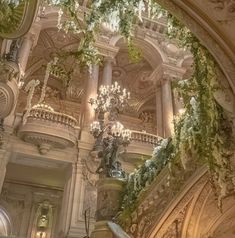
x=172, y=72
x=106, y=50
x=108, y=59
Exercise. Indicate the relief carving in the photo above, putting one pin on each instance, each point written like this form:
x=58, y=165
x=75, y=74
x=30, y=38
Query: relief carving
x=90, y=200
x=224, y=9
x=146, y=219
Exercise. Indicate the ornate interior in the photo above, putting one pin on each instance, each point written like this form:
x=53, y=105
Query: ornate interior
x=49, y=158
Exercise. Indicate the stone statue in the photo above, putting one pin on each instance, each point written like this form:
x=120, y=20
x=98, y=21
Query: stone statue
x=109, y=165
x=13, y=52
x=117, y=171
x=9, y=68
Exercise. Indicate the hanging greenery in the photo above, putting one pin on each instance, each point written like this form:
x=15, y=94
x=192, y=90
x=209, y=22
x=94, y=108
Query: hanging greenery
x=203, y=131
x=8, y=13
x=200, y=133
x=139, y=181
x=116, y=15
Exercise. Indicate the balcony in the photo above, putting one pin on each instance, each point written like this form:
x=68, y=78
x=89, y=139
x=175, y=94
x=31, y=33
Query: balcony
x=141, y=147
x=48, y=129
x=144, y=138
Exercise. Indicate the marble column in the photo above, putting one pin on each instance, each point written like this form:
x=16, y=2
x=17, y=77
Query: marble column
x=167, y=107
x=29, y=41
x=73, y=223
x=159, y=114
x=91, y=92
x=24, y=52
x=5, y=47
x=67, y=202
x=107, y=71
x=4, y=157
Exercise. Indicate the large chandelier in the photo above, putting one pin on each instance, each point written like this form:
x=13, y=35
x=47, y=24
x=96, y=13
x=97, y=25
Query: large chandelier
x=109, y=133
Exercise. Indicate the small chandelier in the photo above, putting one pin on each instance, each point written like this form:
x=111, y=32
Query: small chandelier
x=110, y=99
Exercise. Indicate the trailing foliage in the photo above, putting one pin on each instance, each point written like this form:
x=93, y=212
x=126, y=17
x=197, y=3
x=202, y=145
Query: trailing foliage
x=115, y=15
x=139, y=181
x=200, y=133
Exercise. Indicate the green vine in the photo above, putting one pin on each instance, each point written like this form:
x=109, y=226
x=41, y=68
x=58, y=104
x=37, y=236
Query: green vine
x=8, y=9
x=140, y=180
x=200, y=131
x=118, y=14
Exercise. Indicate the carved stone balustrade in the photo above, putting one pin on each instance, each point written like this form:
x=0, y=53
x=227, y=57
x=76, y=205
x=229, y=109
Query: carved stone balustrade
x=158, y=26
x=141, y=146
x=144, y=137
x=46, y=128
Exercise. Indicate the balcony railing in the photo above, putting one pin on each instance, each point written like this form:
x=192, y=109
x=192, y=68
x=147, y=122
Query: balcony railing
x=53, y=116
x=144, y=137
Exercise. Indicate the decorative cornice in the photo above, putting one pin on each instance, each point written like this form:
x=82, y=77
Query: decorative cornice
x=173, y=72
x=106, y=49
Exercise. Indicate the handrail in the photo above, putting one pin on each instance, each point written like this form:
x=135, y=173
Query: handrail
x=144, y=137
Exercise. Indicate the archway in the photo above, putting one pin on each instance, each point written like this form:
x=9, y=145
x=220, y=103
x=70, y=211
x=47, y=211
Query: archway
x=208, y=29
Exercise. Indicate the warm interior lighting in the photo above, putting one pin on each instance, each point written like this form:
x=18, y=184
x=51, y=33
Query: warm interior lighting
x=43, y=106
x=181, y=111
x=41, y=234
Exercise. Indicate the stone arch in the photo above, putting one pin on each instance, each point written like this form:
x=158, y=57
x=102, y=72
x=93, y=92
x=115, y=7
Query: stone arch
x=180, y=205
x=50, y=19
x=49, y=41
x=208, y=32
x=206, y=219
x=151, y=50
x=224, y=226
x=196, y=208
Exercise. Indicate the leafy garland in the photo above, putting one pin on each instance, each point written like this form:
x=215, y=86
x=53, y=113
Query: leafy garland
x=201, y=133
x=118, y=15
x=140, y=180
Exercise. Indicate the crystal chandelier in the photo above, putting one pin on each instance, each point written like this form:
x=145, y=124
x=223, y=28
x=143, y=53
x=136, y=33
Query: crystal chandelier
x=110, y=99
x=109, y=133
